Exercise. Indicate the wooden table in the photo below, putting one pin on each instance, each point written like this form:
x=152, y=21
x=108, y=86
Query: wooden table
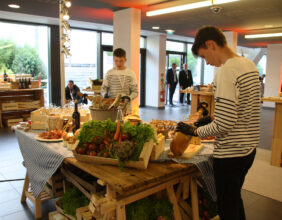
x=123, y=188
x=276, y=153
x=201, y=96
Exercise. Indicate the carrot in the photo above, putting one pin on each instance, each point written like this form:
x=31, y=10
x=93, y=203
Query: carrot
x=120, y=138
x=117, y=134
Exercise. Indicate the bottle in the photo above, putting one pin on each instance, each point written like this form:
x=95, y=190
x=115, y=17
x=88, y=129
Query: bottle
x=25, y=83
x=5, y=76
x=21, y=84
x=29, y=83
x=75, y=117
x=119, y=115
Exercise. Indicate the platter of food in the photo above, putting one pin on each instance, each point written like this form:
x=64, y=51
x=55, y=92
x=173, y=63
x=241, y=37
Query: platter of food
x=50, y=136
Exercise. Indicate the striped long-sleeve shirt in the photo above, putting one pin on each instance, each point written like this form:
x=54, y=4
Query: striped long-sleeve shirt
x=237, y=109
x=120, y=82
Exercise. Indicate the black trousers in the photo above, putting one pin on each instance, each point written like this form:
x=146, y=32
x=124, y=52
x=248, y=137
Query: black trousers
x=171, y=92
x=182, y=96
x=229, y=176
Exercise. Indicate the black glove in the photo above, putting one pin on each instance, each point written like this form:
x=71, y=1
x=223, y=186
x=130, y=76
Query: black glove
x=203, y=121
x=185, y=129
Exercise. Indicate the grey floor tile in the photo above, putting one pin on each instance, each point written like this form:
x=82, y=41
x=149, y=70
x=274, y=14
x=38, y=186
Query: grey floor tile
x=22, y=215
x=269, y=206
x=11, y=207
x=9, y=195
x=5, y=186
x=249, y=198
x=17, y=185
x=15, y=171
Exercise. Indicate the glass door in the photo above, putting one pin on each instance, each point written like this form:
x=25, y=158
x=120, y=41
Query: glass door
x=178, y=59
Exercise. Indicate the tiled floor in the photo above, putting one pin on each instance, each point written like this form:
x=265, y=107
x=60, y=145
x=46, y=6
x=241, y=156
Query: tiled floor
x=257, y=207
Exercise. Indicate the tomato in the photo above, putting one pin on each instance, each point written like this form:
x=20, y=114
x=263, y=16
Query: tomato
x=85, y=145
x=81, y=150
x=125, y=136
x=93, y=153
x=105, y=154
x=88, y=152
x=91, y=147
x=101, y=147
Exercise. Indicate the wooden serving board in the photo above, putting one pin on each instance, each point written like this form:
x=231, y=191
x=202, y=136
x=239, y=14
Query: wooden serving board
x=190, y=152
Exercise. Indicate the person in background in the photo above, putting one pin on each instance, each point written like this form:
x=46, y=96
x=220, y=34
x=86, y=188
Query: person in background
x=171, y=81
x=71, y=91
x=236, y=123
x=120, y=79
x=185, y=80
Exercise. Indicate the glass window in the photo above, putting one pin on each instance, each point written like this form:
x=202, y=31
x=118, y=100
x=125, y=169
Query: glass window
x=26, y=52
x=142, y=42
x=262, y=65
x=208, y=74
x=107, y=62
x=107, y=38
x=82, y=65
x=194, y=64
x=175, y=46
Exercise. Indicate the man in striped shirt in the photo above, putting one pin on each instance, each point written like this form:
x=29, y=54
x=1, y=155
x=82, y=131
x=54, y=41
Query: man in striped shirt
x=120, y=79
x=236, y=123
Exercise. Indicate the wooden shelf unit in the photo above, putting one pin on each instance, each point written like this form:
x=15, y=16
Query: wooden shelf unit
x=19, y=95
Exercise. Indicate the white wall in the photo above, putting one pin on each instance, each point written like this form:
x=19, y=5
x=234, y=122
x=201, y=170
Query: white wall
x=273, y=71
x=155, y=66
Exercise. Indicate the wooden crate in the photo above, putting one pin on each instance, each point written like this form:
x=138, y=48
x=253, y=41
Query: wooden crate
x=61, y=211
x=9, y=106
x=158, y=148
x=12, y=121
x=56, y=216
x=141, y=164
x=55, y=185
x=34, y=84
x=83, y=213
x=29, y=104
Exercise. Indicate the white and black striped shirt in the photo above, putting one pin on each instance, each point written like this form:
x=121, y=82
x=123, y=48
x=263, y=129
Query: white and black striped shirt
x=237, y=109
x=120, y=82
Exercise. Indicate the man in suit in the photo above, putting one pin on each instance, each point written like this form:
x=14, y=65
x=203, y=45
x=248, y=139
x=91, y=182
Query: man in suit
x=171, y=81
x=71, y=91
x=185, y=80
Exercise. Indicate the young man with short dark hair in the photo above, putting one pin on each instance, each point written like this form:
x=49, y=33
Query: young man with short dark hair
x=120, y=79
x=236, y=122
x=71, y=91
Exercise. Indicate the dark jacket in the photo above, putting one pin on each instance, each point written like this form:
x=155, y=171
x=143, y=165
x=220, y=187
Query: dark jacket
x=74, y=93
x=170, y=77
x=185, y=79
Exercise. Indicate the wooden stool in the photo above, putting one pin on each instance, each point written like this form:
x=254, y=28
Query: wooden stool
x=43, y=196
x=56, y=182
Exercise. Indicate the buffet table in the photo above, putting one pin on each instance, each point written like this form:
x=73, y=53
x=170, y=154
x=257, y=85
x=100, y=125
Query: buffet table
x=276, y=153
x=200, y=96
x=43, y=159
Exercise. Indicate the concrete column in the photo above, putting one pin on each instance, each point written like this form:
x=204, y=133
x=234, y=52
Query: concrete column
x=232, y=39
x=273, y=72
x=155, y=70
x=127, y=25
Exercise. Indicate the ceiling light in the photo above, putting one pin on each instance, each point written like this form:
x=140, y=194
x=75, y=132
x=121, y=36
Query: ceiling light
x=14, y=6
x=156, y=28
x=68, y=4
x=263, y=35
x=66, y=17
x=188, y=7
x=169, y=31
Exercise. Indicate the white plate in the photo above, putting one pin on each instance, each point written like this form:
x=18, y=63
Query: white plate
x=47, y=140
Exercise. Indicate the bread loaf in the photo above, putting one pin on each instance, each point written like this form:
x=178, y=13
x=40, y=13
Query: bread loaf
x=180, y=143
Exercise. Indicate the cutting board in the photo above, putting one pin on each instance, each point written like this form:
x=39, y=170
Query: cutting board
x=190, y=152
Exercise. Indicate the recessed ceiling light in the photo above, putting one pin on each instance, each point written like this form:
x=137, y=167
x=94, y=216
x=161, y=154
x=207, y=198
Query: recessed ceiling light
x=14, y=6
x=187, y=7
x=169, y=31
x=156, y=28
x=68, y=4
x=263, y=35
